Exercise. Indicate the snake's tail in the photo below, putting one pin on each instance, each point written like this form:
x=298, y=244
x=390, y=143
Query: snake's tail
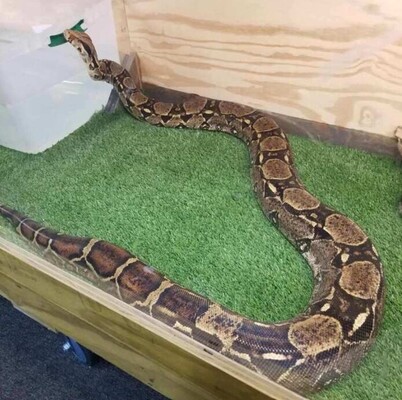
x=12, y=215
x=28, y=228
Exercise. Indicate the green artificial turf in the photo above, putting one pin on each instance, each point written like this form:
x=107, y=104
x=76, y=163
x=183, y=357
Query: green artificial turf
x=182, y=200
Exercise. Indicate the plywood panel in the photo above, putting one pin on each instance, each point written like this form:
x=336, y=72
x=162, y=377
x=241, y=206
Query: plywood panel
x=120, y=20
x=333, y=62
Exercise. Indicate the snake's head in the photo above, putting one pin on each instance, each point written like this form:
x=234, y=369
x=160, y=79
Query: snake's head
x=83, y=43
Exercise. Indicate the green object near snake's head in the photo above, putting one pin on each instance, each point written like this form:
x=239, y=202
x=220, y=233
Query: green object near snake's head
x=57, y=40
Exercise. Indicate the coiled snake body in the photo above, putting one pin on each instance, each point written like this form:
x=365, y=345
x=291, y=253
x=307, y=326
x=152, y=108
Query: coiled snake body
x=342, y=318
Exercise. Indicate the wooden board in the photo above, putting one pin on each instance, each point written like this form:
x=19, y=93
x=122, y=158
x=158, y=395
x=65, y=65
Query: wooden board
x=121, y=28
x=332, y=62
x=157, y=355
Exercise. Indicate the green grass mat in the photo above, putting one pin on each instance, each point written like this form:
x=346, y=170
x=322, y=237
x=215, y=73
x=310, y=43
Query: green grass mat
x=182, y=201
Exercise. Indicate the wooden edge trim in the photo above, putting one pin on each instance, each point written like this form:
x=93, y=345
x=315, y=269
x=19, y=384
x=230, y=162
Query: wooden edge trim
x=113, y=100
x=135, y=70
x=131, y=63
x=121, y=27
x=398, y=137
x=156, y=354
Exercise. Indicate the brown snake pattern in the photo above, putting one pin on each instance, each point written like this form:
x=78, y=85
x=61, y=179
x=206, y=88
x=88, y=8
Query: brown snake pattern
x=342, y=318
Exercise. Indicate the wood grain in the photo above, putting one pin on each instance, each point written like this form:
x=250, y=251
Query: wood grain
x=334, y=62
x=121, y=28
x=361, y=140
x=154, y=353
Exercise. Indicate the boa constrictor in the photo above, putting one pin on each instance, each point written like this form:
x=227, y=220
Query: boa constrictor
x=304, y=353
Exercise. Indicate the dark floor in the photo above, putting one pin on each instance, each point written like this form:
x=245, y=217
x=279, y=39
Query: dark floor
x=34, y=366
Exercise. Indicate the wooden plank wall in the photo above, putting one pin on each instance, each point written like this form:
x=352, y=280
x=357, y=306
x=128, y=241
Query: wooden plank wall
x=334, y=62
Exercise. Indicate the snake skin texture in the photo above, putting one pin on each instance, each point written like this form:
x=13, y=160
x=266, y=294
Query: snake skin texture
x=342, y=318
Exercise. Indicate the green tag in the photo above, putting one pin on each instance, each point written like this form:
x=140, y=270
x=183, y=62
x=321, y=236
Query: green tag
x=57, y=40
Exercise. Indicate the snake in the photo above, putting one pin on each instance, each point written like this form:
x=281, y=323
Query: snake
x=305, y=353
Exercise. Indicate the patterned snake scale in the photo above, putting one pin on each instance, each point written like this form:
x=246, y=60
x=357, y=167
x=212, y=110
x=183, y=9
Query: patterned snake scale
x=305, y=353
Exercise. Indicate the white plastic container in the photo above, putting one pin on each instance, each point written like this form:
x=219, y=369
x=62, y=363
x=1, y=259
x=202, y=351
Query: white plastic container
x=45, y=92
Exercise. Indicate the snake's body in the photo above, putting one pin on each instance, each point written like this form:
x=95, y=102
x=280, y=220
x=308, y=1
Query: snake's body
x=342, y=318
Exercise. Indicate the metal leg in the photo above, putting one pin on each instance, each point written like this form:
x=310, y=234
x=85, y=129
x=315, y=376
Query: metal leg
x=82, y=354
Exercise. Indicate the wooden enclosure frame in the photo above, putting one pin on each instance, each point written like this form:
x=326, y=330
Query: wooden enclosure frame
x=154, y=353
